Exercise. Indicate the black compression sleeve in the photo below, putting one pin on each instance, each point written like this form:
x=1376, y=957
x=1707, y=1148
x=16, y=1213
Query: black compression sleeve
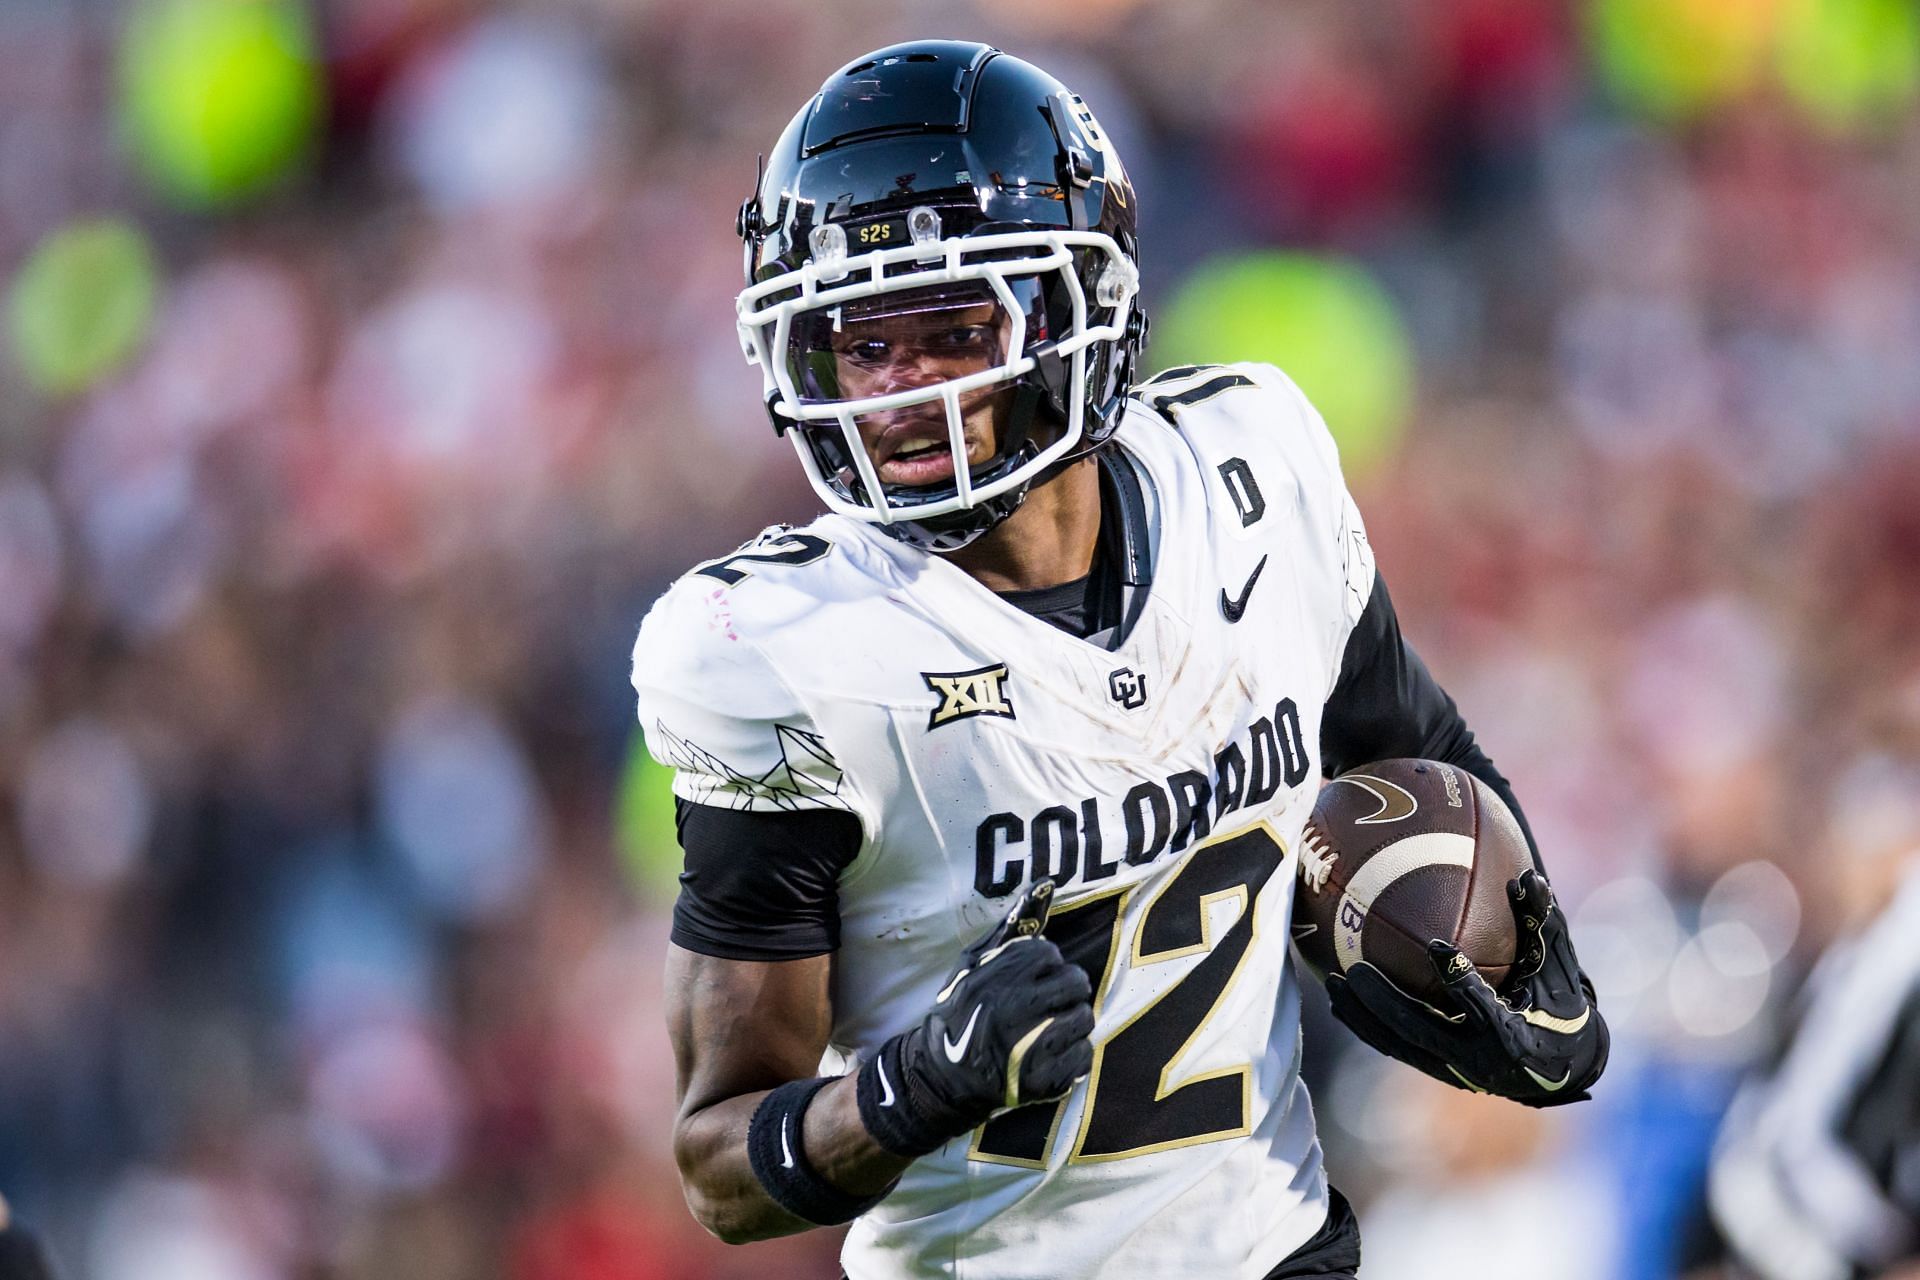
x=762, y=886
x=1386, y=704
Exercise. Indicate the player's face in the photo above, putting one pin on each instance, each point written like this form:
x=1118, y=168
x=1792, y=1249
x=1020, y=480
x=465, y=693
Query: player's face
x=921, y=345
x=902, y=350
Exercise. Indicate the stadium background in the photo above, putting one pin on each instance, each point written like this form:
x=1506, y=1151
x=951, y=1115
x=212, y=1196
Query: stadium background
x=368, y=367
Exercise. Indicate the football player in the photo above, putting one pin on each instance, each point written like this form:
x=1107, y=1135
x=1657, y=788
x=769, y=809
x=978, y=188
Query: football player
x=990, y=780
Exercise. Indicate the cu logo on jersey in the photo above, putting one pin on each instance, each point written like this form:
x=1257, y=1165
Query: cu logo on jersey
x=966, y=694
x=1127, y=688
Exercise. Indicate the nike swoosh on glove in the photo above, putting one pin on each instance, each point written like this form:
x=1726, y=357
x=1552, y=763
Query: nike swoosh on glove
x=1540, y=1040
x=1009, y=1027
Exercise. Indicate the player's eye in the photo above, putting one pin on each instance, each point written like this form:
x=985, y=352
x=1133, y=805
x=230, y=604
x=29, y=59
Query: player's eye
x=965, y=339
x=868, y=351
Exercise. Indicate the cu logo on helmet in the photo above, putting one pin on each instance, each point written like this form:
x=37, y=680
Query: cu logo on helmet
x=1127, y=688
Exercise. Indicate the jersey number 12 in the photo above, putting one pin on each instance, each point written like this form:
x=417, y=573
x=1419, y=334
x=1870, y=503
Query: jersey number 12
x=1132, y=1108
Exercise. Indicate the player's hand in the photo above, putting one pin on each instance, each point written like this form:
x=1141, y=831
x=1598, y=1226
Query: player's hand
x=1009, y=1027
x=1539, y=1040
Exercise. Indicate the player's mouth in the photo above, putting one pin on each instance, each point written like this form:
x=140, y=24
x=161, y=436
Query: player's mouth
x=915, y=455
x=922, y=464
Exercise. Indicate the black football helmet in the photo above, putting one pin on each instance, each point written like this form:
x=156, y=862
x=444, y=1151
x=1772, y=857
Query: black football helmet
x=944, y=204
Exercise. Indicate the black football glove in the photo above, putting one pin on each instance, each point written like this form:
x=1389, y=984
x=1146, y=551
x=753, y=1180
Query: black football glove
x=1009, y=1027
x=1540, y=1040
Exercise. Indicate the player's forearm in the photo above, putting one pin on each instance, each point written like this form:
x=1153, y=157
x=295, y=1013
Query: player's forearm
x=717, y=1173
x=840, y=1147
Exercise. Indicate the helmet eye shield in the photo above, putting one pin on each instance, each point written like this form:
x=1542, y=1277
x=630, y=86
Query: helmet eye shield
x=872, y=347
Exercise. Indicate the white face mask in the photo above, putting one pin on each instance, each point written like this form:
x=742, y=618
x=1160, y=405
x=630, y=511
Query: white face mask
x=850, y=347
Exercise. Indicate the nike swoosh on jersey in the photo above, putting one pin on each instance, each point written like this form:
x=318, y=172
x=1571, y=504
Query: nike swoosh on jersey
x=954, y=1049
x=1305, y=930
x=886, y=1085
x=1235, y=608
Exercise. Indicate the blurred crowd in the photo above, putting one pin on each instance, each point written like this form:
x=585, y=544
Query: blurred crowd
x=332, y=907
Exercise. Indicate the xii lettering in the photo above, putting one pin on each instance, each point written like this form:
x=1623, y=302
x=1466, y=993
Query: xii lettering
x=965, y=694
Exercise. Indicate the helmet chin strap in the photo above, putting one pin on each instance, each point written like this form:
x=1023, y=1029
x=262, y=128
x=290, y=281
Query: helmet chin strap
x=1020, y=418
x=956, y=529
x=1102, y=419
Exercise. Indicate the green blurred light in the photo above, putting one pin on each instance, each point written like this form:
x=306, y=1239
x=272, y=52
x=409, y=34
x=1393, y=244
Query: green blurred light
x=644, y=827
x=81, y=304
x=219, y=99
x=1323, y=320
x=1849, y=63
x=1674, y=59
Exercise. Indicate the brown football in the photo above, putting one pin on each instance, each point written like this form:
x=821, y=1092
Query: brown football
x=1400, y=852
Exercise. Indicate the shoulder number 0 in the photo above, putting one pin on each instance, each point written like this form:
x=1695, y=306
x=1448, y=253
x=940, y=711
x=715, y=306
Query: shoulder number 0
x=788, y=548
x=1132, y=1108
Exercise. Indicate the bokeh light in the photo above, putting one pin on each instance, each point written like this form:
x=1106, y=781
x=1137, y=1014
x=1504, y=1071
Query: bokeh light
x=220, y=99
x=1847, y=64
x=82, y=304
x=1850, y=63
x=1324, y=320
x=1673, y=59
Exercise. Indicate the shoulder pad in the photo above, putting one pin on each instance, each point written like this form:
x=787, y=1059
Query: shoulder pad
x=1252, y=413
x=712, y=702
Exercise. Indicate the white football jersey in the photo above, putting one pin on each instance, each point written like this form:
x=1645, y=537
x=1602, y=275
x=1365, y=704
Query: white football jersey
x=1163, y=785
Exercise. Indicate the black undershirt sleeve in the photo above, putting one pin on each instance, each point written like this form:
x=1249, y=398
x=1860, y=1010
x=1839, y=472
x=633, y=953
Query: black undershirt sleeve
x=1387, y=705
x=761, y=886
